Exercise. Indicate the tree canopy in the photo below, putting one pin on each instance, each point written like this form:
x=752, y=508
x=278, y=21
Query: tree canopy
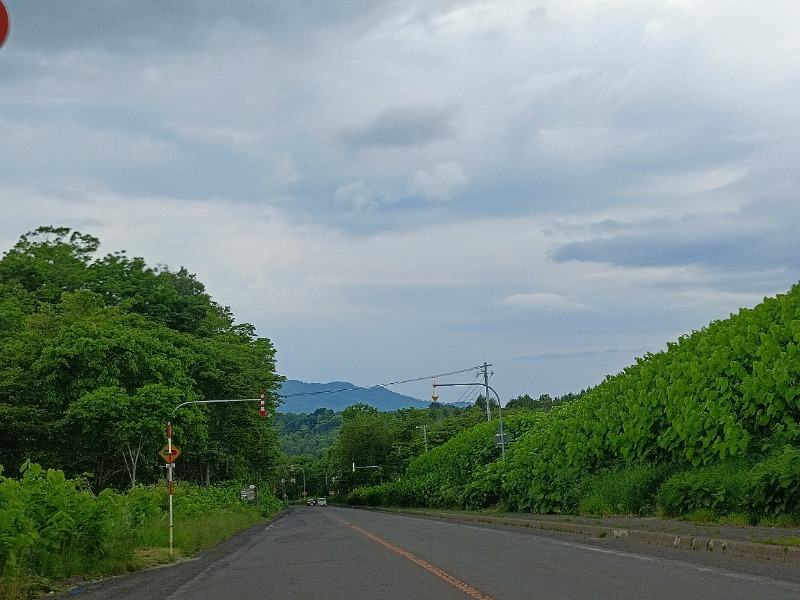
x=97, y=351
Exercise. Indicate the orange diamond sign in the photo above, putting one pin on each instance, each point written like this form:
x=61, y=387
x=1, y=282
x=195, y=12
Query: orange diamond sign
x=164, y=452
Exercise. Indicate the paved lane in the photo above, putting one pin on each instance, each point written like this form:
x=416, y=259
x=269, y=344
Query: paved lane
x=335, y=553
x=516, y=565
x=307, y=554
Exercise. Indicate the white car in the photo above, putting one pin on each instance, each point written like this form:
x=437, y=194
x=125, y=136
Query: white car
x=322, y=502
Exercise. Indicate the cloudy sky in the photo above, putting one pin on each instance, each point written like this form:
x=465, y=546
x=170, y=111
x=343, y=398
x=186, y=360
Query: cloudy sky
x=395, y=189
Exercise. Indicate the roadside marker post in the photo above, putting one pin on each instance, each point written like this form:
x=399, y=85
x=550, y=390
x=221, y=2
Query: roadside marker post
x=170, y=465
x=171, y=452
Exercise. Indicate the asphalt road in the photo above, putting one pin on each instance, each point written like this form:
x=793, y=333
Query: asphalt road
x=329, y=552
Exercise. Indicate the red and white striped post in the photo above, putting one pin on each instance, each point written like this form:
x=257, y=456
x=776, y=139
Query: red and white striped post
x=173, y=451
x=169, y=478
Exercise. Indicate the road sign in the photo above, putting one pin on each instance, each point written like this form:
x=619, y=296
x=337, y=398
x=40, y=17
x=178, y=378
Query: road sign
x=164, y=452
x=3, y=22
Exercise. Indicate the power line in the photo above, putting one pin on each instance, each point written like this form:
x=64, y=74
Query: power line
x=426, y=377
x=367, y=387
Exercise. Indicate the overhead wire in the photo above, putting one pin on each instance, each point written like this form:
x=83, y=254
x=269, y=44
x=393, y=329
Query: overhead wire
x=383, y=385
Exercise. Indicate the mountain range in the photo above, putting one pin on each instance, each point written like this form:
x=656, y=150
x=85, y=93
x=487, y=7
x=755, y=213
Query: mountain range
x=302, y=397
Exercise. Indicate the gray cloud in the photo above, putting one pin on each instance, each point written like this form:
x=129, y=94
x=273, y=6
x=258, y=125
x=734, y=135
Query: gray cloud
x=650, y=251
x=403, y=126
x=669, y=246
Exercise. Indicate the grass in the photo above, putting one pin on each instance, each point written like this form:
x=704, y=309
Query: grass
x=793, y=541
x=146, y=547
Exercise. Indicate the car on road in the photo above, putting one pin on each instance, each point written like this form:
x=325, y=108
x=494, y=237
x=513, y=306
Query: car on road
x=310, y=502
x=322, y=502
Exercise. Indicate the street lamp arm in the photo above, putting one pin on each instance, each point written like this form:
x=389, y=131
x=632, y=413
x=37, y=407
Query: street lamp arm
x=182, y=404
x=499, y=409
x=471, y=385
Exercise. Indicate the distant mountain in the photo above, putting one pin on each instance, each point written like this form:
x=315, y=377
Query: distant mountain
x=302, y=397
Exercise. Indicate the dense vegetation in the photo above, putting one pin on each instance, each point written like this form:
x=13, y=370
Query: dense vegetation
x=711, y=425
x=372, y=447
x=96, y=353
x=53, y=528
x=302, y=434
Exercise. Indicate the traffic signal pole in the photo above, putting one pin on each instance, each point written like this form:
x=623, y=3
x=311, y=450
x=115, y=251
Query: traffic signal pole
x=173, y=452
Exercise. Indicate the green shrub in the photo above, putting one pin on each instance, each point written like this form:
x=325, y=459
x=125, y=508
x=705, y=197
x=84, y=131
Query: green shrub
x=626, y=491
x=775, y=486
x=721, y=489
x=369, y=496
x=53, y=528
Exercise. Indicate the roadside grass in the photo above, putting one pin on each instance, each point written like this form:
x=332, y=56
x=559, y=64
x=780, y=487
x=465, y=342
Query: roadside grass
x=627, y=491
x=793, y=541
x=195, y=533
x=145, y=547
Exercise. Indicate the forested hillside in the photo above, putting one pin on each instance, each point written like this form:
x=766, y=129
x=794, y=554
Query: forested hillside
x=97, y=351
x=308, y=434
x=710, y=424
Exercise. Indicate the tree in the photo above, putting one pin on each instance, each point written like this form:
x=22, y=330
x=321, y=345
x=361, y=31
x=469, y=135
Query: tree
x=365, y=441
x=124, y=424
x=109, y=347
x=48, y=262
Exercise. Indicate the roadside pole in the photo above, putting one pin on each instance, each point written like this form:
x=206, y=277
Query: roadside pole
x=500, y=439
x=169, y=478
x=170, y=453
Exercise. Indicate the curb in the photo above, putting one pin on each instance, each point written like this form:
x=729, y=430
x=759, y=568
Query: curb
x=726, y=547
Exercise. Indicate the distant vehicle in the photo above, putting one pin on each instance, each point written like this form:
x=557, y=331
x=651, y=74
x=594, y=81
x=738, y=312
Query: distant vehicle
x=322, y=502
x=310, y=502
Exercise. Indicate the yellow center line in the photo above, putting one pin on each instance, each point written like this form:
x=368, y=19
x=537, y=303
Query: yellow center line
x=454, y=581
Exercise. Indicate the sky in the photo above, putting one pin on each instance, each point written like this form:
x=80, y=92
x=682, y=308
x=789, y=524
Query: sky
x=391, y=190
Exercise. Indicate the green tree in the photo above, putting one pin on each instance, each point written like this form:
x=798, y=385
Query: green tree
x=95, y=354
x=48, y=262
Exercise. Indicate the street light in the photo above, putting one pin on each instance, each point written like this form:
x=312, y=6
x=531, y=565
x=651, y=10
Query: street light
x=502, y=436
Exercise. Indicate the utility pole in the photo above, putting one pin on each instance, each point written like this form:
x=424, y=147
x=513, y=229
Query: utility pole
x=485, y=371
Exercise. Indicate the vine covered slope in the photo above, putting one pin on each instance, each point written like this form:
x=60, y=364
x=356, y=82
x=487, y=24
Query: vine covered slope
x=728, y=394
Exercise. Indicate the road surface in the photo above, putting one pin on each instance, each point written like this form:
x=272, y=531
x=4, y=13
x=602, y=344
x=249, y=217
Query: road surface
x=331, y=552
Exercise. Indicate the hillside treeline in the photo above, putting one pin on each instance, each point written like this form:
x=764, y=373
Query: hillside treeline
x=708, y=425
x=96, y=352
x=362, y=446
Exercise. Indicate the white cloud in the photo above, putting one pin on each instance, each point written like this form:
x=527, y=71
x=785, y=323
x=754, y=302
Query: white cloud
x=479, y=18
x=439, y=182
x=542, y=301
x=358, y=195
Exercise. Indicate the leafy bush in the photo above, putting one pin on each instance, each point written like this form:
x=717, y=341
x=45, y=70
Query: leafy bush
x=369, y=496
x=53, y=528
x=710, y=405
x=626, y=491
x=721, y=489
x=775, y=486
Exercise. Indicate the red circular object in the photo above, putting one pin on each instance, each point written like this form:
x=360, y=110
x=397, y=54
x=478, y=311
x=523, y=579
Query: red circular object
x=3, y=22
